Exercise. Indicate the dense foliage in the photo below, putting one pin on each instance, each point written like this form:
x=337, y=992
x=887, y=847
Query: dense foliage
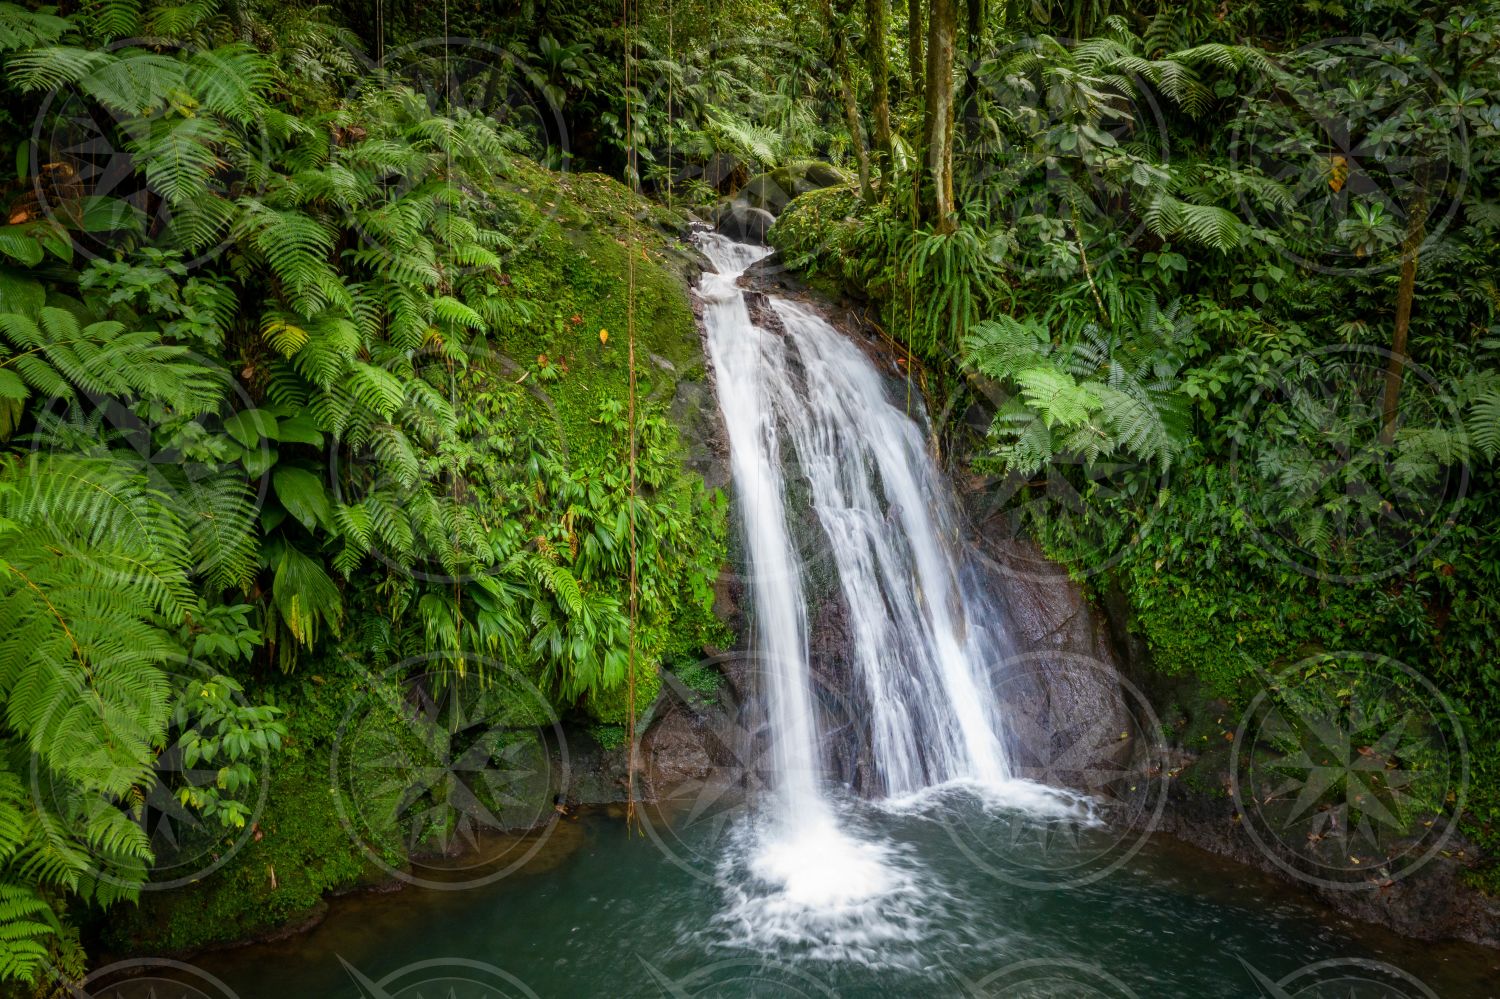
x=298, y=367
x=1230, y=310
x=315, y=378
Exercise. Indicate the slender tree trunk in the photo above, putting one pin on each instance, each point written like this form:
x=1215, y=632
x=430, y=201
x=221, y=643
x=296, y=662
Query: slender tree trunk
x=1416, y=232
x=914, y=45
x=974, y=46
x=937, y=126
x=846, y=95
x=880, y=77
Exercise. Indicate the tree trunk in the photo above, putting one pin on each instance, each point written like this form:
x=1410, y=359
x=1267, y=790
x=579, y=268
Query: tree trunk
x=914, y=45
x=846, y=95
x=1416, y=233
x=937, y=126
x=880, y=77
x=974, y=43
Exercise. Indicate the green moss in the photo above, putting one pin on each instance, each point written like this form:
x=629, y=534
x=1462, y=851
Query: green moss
x=303, y=846
x=612, y=706
x=609, y=737
x=588, y=247
x=699, y=678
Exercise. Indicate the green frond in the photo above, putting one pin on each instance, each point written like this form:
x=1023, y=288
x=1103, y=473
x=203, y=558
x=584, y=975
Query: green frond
x=25, y=29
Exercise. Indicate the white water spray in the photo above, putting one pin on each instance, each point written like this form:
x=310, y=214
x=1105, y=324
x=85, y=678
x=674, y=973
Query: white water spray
x=812, y=401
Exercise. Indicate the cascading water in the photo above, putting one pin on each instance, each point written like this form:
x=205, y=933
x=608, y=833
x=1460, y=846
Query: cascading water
x=922, y=643
x=806, y=398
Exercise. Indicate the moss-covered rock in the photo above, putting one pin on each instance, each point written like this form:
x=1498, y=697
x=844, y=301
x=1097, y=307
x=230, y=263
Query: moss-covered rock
x=595, y=267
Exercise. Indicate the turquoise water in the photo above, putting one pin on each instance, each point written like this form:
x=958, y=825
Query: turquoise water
x=602, y=911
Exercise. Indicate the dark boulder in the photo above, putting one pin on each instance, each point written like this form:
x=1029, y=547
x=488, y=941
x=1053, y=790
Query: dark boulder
x=773, y=191
x=742, y=222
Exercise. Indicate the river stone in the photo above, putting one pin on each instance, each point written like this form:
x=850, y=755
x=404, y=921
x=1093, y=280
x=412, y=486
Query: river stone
x=774, y=191
x=742, y=222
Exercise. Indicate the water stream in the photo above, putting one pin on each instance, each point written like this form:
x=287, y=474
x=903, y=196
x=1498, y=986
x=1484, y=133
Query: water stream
x=904, y=885
x=813, y=430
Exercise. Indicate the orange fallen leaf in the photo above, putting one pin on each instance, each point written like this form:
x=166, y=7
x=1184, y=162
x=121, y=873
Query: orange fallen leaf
x=1338, y=173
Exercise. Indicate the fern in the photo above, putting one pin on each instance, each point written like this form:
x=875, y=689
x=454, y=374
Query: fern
x=25, y=29
x=1090, y=398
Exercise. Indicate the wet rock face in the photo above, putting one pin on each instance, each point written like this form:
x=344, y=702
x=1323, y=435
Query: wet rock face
x=677, y=749
x=748, y=214
x=742, y=222
x=762, y=314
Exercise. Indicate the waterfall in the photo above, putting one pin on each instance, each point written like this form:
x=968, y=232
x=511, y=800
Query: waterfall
x=819, y=442
x=805, y=399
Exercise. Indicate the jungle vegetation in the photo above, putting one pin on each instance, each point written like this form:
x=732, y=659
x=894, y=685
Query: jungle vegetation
x=313, y=367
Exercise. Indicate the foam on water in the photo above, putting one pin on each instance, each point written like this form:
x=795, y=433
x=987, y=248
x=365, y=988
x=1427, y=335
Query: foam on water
x=826, y=892
x=1026, y=799
x=818, y=439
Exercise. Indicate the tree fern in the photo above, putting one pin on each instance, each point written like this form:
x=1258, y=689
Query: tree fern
x=1089, y=398
x=54, y=356
x=24, y=29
